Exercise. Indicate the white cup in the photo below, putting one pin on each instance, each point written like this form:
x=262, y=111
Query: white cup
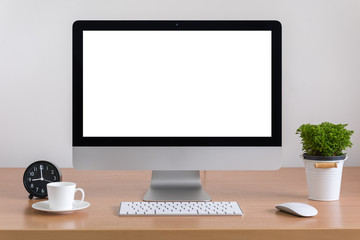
x=61, y=195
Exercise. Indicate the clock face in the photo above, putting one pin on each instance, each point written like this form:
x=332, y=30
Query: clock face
x=37, y=175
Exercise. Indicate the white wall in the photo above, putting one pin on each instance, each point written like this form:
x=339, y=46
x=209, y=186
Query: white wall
x=321, y=66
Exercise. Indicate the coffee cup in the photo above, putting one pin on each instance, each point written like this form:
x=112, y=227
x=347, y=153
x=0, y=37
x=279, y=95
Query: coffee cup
x=61, y=195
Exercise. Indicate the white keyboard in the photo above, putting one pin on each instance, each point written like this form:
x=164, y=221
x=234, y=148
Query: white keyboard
x=179, y=208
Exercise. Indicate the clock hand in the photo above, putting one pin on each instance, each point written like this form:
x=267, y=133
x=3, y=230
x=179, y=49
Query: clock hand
x=40, y=179
x=41, y=168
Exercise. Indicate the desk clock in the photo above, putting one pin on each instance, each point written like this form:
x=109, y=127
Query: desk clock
x=37, y=175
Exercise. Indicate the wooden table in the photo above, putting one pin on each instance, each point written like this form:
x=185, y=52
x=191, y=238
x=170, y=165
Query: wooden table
x=256, y=191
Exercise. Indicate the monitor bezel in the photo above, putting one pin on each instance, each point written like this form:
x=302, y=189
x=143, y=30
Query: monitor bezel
x=276, y=93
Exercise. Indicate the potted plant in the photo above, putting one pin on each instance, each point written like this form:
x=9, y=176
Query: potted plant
x=323, y=147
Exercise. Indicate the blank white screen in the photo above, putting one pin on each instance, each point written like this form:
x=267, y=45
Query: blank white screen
x=176, y=83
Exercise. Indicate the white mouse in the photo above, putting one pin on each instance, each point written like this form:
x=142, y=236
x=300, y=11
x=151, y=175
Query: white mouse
x=298, y=209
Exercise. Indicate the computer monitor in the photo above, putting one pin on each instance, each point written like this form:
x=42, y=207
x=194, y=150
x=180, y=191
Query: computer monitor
x=177, y=97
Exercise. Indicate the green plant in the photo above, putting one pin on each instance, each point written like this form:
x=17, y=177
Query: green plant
x=325, y=139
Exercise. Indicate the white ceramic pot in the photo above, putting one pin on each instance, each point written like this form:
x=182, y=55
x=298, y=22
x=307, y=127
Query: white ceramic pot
x=323, y=178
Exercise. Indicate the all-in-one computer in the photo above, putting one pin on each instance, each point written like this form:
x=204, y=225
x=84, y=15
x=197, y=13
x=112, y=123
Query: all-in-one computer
x=177, y=97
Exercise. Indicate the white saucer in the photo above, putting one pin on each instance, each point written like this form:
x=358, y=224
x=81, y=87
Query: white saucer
x=44, y=206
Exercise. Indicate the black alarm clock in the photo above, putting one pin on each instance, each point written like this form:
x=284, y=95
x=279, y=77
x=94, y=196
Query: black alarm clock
x=37, y=175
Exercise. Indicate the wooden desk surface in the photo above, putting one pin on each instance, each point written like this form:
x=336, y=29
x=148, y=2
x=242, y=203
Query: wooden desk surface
x=256, y=191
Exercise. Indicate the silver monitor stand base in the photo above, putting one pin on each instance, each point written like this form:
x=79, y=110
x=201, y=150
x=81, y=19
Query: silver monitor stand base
x=176, y=186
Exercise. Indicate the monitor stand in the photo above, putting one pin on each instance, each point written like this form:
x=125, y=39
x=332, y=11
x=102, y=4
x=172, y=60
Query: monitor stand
x=176, y=186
